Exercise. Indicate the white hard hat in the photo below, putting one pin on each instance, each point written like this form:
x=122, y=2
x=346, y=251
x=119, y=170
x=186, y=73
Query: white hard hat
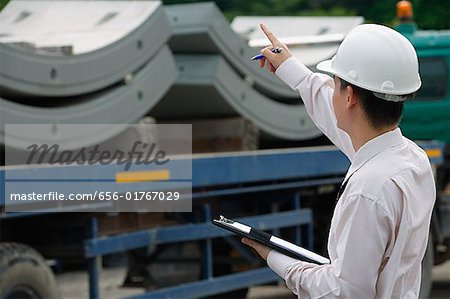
x=376, y=58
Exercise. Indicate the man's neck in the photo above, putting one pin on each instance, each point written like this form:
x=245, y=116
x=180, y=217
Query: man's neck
x=363, y=134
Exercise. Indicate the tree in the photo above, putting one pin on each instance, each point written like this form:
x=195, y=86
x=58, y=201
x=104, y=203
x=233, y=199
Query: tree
x=429, y=14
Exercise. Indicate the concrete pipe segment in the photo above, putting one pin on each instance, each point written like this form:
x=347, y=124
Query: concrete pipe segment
x=59, y=48
x=124, y=104
x=109, y=62
x=118, y=67
x=200, y=30
x=210, y=87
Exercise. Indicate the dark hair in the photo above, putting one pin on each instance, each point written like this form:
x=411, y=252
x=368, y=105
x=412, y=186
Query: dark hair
x=380, y=112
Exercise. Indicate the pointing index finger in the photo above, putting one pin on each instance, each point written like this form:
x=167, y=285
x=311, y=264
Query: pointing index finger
x=270, y=35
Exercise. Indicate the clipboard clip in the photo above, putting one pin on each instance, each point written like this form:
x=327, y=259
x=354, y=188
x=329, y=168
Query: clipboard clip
x=223, y=219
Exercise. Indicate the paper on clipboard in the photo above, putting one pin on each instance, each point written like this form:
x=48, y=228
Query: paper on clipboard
x=274, y=242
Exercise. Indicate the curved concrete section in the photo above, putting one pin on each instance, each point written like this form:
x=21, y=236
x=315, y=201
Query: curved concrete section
x=107, y=41
x=209, y=87
x=310, y=39
x=124, y=104
x=202, y=29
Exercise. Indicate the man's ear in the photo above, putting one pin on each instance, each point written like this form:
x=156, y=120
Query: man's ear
x=351, y=98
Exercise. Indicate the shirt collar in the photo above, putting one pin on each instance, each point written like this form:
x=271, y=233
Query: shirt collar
x=373, y=147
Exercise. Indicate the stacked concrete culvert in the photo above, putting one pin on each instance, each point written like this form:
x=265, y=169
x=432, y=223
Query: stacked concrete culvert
x=82, y=62
x=202, y=29
x=310, y=39
x=116, y=62
x=208, y=86
x=101, y=42
x=123, y=104
x=241, y=87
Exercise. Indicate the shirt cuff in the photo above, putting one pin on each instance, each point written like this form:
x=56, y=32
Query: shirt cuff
x=279, y=262
x=292, y=72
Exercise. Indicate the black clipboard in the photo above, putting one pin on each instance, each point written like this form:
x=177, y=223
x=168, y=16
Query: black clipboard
x=273, y=242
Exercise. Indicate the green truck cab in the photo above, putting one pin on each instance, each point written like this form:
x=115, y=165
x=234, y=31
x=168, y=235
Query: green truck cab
x=427, y=116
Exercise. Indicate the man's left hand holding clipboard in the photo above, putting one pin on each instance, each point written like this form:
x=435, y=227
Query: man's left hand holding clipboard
x=264, y=242
x=262, y=250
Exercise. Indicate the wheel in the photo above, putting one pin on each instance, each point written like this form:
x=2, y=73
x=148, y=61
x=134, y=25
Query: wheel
x=427, y=268
x=24, y=274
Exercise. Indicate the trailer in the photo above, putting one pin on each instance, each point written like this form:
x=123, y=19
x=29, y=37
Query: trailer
x=281, y=191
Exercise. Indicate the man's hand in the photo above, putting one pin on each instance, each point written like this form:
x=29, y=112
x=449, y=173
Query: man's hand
x=261, y=249
x=274, y=60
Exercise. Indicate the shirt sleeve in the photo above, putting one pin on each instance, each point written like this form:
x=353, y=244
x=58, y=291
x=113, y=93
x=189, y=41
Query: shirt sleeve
x=316, y=91
x=361, y=237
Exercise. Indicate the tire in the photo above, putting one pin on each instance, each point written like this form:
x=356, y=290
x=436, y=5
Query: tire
x=24, y=274
x=427, y=268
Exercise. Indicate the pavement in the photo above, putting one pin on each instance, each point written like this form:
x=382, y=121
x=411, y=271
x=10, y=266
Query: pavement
x=74, y=285
x=441, y=281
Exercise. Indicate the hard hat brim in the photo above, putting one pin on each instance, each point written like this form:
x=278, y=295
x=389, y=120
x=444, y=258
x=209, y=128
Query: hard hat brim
x=325, y=66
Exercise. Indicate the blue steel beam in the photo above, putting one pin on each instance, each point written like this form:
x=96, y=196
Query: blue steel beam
x=267, y=187
x=207, y=256
x=214, y=170
x=189, y=232
x=207, y=169
x=212, y=286
x=94, y=264
x=435, y=150
x=267, y=165
x=220, y=169
x=202, y=194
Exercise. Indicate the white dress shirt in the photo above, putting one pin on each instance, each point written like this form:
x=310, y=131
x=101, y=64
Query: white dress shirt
x=379, y=230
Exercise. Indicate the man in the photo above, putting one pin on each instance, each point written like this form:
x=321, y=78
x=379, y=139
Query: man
x=379, y=230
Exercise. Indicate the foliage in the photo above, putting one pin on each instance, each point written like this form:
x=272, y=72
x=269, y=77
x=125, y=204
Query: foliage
x=429, y=14
x=3, y=3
